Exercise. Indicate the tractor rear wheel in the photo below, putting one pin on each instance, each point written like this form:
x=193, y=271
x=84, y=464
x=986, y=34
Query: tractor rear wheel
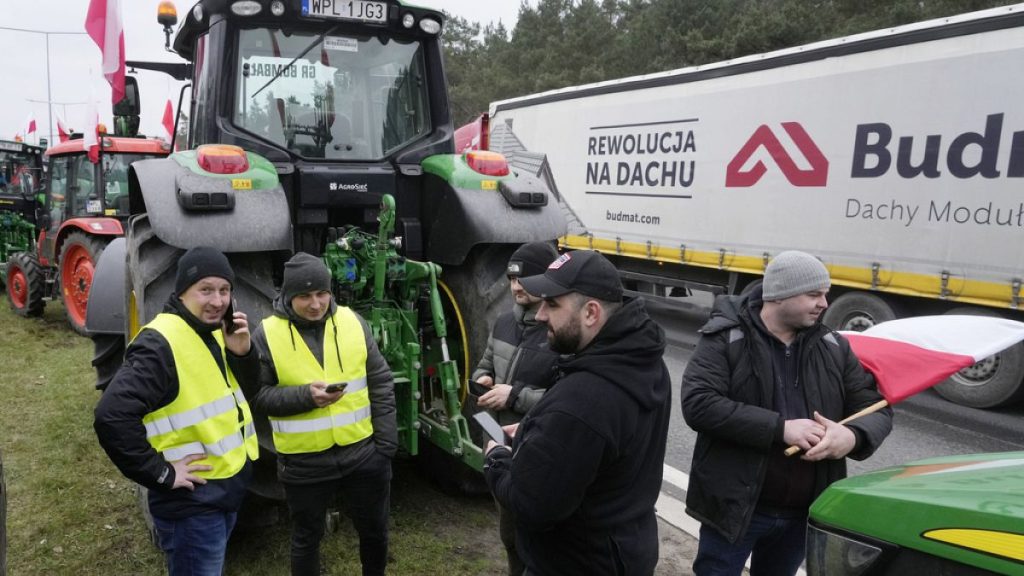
x=78, y=257
x=26, y=284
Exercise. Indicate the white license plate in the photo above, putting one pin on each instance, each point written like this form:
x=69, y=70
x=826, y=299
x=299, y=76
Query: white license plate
x=361, y=10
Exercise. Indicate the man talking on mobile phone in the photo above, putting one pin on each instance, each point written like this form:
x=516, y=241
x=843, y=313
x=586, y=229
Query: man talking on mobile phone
x=175, y=420
x=328, y=443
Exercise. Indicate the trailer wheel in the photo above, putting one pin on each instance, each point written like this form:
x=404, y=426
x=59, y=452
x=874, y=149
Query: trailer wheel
x=26, y=284
x=992, y=382
x=857, y=311
x=78, y=257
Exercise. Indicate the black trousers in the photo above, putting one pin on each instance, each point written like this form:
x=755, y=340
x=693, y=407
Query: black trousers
x=366, y=499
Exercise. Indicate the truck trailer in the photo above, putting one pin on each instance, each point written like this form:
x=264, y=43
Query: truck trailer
x=896, y=157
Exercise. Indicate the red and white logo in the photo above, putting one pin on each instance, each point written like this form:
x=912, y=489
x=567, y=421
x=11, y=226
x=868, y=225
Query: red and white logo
x=816, y=175
x=559, y=261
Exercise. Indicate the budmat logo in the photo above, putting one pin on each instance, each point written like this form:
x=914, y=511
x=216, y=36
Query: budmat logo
x=816, y=175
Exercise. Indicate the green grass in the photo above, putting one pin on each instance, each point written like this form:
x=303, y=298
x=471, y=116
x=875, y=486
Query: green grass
x=71, y=512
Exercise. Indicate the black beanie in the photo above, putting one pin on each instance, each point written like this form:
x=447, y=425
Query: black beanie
x=200, y=262
x=304, y=273
x=531, y=259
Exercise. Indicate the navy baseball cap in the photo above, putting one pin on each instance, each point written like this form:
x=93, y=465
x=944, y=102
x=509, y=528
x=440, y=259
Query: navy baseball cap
x=583, y=271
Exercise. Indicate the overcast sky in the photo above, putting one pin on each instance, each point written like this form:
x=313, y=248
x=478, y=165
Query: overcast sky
x=74, y=60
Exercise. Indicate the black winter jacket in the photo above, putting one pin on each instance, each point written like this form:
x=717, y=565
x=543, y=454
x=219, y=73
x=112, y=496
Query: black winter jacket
x=270, y=399
x=518, y=354
x=730, y=408
x=147, y=381
x=588, y=458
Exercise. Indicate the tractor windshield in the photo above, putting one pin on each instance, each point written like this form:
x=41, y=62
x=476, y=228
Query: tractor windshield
x=347, y=98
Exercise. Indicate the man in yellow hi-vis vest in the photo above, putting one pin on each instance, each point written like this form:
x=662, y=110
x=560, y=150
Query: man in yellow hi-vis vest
x=175, y=420
x=329, y=444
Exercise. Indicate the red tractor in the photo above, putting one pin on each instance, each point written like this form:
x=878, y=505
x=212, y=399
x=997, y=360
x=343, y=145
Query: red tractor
x=86, y=203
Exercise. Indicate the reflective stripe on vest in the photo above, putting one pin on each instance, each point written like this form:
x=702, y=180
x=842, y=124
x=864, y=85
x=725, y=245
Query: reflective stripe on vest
x=203, y=417
x=345, y=422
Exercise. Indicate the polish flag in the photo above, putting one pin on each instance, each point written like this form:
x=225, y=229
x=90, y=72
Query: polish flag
x=104, y=26
x=62, y=131
x=168, y=122
x=90, y=138
x=910, y=355
x=30, y=126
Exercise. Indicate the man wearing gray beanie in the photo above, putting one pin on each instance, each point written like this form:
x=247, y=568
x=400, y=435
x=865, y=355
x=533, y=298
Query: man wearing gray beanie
x=766, y=375
x=330, y=397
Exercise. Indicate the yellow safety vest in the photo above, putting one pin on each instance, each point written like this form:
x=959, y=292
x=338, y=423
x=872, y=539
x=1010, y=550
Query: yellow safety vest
x=203, y=417
x=345, y=422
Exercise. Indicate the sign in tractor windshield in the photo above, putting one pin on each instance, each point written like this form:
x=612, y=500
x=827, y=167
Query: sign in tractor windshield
x=361, y=10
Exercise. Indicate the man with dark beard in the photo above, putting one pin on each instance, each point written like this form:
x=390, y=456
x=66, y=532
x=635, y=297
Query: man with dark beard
x=585, y=467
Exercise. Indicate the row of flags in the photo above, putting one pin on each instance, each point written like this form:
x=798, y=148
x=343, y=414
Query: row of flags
x=31, y=132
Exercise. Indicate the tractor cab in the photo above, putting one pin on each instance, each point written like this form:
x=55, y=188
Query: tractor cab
x=21, y=176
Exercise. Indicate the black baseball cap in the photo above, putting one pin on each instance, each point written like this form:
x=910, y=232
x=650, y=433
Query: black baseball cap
x=583, y=271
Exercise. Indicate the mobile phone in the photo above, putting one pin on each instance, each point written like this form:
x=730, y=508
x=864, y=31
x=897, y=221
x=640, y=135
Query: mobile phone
x=492, y=428
x=229, y=318
x=336, y=387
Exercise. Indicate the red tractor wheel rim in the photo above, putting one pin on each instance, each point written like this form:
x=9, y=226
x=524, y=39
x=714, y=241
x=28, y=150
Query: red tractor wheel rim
x=17, y=287
x=76, y=278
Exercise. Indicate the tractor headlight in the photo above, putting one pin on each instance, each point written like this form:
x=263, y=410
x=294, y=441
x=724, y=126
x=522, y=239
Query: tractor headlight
x=430, y=26
x=829, y=554
x=246, y=8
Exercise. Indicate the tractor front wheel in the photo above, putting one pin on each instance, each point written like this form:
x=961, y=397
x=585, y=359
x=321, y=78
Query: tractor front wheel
x=26, y=284
x=78, y=258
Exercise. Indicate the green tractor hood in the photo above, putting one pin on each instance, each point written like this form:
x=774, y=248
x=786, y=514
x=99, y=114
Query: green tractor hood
x=969, y=509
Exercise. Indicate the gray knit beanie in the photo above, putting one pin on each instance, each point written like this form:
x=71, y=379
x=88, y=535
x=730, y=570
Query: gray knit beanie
x=304, y=273
x=793, y=272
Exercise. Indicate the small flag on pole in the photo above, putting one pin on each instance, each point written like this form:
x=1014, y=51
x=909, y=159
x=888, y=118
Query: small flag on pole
x=168, y=122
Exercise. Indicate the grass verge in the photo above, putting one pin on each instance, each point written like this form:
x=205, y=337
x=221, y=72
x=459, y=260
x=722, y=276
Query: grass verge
x=71, y=512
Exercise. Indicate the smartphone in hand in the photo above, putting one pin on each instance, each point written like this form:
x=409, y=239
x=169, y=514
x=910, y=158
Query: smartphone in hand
x=492, y=428
x=336, y=387
x=229, y=318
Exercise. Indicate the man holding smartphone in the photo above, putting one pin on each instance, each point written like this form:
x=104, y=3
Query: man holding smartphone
x=329, y=443
x=174, y=418
x=518, y=365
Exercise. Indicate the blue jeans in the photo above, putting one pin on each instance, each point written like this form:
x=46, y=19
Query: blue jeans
x=195, y=546
x=777, y=544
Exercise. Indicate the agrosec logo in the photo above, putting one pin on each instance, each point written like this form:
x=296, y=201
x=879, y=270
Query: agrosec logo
x=816, y=175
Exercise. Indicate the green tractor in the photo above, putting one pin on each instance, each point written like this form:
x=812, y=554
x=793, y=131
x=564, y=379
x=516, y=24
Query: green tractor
x=21, y=174
x=325, y=127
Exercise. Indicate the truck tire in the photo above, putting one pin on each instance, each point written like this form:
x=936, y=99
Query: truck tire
x=857, y=311
x=995, y=381
x=77, y=262
x=26, y=284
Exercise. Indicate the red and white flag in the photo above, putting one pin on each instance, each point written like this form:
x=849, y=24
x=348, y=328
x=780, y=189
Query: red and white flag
x=168, y=122
x=90, y=138
x=62, y=131
x=910, y=355
x=103, y=24
x=30, y=127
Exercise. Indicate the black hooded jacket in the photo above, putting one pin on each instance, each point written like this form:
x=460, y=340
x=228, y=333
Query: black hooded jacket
x=728, y=398
x=270, y=399
x=147, y=381
x=587, y=463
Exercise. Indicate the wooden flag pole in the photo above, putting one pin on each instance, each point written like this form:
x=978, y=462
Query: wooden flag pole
x=870, y=409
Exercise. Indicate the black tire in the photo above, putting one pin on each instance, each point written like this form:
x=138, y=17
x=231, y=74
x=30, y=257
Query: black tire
x=26, y=284
x=995, y=381
x=142, y=497
x=107, y=357
x=481, y=291
x=857, y=311
x=3, y=519
x=77, y=263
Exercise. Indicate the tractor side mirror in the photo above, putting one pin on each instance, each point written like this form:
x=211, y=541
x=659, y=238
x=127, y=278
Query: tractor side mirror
x=129, y=105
